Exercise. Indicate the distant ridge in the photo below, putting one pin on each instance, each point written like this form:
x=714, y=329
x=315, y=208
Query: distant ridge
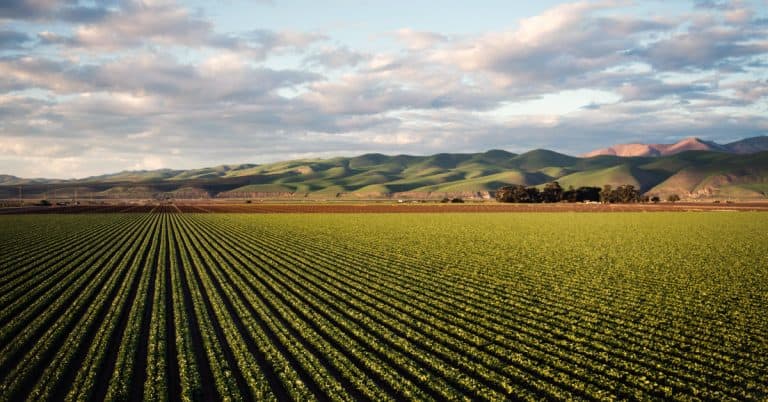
x=745, y=146
x=749, y=145
x=691, y=168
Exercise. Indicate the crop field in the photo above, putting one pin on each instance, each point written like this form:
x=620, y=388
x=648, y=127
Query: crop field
x=164, y=305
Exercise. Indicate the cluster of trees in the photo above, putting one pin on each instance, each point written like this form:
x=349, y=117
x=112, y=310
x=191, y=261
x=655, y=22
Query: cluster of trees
x=552, y=192
x=624, y=194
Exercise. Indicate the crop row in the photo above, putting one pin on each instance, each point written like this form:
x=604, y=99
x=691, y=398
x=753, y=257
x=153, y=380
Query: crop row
x=162, y=306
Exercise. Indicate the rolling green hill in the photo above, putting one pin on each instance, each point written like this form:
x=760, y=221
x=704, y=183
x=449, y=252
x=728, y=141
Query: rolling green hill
x=691, y=174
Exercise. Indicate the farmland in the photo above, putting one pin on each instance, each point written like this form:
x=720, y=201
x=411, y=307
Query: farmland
x=159, y=304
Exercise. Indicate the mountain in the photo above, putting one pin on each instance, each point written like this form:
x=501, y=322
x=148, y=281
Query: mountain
x=8, y=179
x=749, y=145
x=704, y=174
x=745, y=146
x=637, y=149
x=713, y=175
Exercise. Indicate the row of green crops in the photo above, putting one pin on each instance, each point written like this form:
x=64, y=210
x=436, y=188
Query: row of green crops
x=494, y=306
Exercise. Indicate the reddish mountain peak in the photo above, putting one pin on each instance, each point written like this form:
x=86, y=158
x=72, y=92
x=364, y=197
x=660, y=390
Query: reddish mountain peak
x=639, y=149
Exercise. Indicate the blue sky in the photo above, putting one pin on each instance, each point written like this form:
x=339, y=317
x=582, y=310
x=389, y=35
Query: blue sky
x=92, y=87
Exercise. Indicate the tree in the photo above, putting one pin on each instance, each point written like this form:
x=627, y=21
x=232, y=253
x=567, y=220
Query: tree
x=533, y=193
x=673, y=198
x=626, y=193
x=607, y=194
x=517, y=193
x=552, y=192
x=588, y=194
x=570, y=195
x=504, y=194
x=513, y=193
x=655, y=199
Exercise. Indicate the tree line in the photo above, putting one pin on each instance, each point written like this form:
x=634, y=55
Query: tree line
x=553, y=192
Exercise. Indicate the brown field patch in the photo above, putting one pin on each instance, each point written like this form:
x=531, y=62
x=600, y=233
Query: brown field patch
x=271, y=208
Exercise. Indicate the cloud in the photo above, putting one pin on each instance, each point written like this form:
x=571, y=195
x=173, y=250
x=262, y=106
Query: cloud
x=28, y=72
x=653, y=89
x=13, y=39
x=724, y=36
x=140, y=84
x=381, y=90
x=747, y=91
x=711, y=4
x=219, y=78
x=554, y=50
x=416, y=40
x=68, y=10
x=705, y=47
x=284, y=39
x=259, y=44
x=139, y=21
x=335, y=57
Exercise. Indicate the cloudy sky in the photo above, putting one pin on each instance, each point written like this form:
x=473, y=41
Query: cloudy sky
x=91, y=87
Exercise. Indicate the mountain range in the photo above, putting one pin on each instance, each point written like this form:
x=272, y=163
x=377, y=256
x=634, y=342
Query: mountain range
x=745, y=146
x=692, y=168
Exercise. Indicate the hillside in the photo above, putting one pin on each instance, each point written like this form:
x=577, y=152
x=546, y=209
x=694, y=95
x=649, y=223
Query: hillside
x=745, y=146
x=691, y=174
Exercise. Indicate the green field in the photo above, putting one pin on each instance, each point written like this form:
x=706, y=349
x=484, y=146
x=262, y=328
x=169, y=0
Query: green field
x=438, y=306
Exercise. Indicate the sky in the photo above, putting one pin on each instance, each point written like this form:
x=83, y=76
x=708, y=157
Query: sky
x=94, y=87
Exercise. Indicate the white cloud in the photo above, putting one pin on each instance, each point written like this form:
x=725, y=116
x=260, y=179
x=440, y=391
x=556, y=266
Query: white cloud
x=150, y=162
x=335, y=57
x=161, y=22
x=417, y=40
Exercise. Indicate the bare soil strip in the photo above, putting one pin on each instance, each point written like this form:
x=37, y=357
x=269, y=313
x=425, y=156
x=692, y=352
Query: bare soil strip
x=268, y=208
